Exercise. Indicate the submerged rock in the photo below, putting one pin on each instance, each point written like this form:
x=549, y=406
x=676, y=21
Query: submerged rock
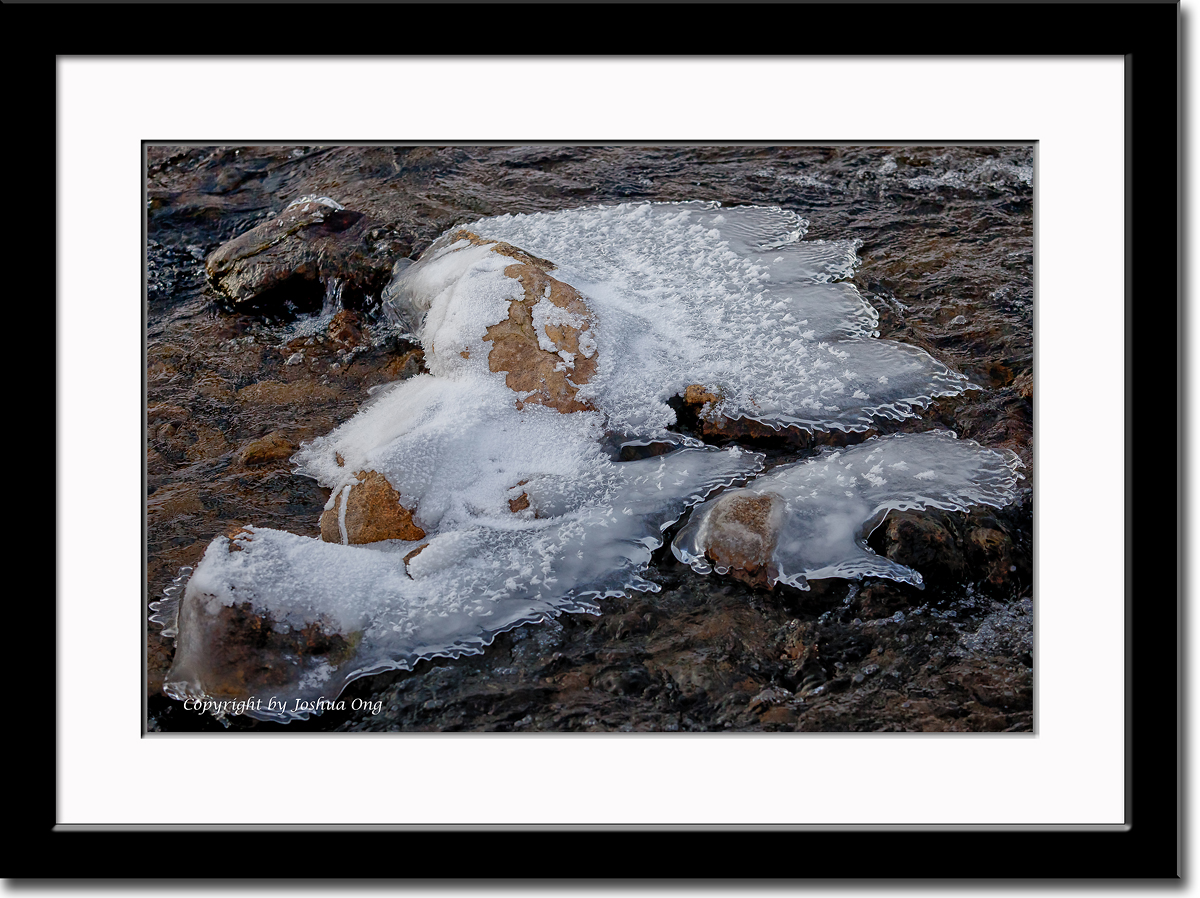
x=990, y=551
x=926, y=541
x=740, y=534
x=345, y=329
x=272, y=447
x=250, y=661
x=701, y=411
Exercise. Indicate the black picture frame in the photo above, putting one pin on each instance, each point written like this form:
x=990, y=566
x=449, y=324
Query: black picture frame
x=1148, y=846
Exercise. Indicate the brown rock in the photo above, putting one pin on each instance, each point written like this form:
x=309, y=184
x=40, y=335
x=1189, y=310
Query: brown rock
x=344, y=329
x=740, y=534
x=407, y=365
x=237, y=654
x=698, y=395
x=924, y=540
x=373, y=513
x=161, y=412
x=171, y=502
x=210, y=443
x=331, y=531
x=238, y=534
x=701, y=406
x=504, y=249
x=413, y=554
x=521, y=502
x=269, y=448
x=989, y=551
x=301, y=249
x=272, y=392
x=551, y=379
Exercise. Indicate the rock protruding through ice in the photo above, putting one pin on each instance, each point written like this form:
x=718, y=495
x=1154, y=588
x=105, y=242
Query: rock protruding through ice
x=691, y=293
x=466, y=583
x=823, y=509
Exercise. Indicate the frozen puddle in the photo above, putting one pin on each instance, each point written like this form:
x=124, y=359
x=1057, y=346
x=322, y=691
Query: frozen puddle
x=488, y=494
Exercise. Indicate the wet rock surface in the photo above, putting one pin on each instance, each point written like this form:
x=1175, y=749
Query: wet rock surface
x=287, y=261
x=234, y=386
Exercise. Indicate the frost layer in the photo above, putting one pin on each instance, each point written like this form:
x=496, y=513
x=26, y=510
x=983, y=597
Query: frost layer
x=338, y=612
x=823, y=509
x=691, y=293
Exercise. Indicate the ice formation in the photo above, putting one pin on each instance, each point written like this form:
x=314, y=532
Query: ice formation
x=344, y=611
x=552, y=340
x=692, y=293
x=811, y=519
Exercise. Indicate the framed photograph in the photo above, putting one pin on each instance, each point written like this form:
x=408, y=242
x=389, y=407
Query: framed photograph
x=662, y=462
x=570, y=458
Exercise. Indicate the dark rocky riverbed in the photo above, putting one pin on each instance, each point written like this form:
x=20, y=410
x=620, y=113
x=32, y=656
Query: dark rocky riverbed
x=234, y=387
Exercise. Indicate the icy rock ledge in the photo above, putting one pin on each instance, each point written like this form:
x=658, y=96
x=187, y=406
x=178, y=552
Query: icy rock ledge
x=488, y=493
x=810, y=520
